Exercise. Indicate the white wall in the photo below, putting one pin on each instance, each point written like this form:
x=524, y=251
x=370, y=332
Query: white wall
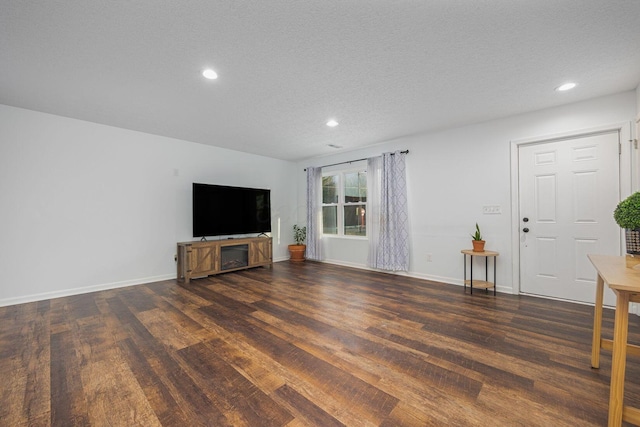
x=451, y=174
x=88, y=207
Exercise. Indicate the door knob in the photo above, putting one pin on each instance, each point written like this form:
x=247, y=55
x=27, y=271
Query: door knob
x=526, y=230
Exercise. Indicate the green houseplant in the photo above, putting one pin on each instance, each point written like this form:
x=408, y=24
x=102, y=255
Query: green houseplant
x=627, y=216
x=297, y=250
x=477, y=241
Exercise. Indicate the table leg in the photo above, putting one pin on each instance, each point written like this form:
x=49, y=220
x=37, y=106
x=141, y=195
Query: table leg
x=619, y=358
x=495, y=282
x=597, y=324
x=471, y=275
x=486, y=273
x=464, y=256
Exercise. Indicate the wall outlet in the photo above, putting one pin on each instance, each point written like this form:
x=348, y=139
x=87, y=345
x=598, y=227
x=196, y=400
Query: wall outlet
x=429, y=257
x=491, y=210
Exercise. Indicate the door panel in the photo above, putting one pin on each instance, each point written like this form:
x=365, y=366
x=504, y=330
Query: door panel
x=568, y=190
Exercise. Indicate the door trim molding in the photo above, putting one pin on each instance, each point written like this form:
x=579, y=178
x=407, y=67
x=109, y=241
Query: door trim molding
x=625, y=178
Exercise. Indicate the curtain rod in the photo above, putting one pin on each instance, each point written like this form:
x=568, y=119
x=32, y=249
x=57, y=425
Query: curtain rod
x=352, y=161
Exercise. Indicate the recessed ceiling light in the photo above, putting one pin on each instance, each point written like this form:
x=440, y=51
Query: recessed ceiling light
x=332, y=123
x=565, y=87
x=210, y=74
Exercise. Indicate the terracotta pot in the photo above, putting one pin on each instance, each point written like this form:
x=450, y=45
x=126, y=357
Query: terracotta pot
x=478, y=245
x=297, y=252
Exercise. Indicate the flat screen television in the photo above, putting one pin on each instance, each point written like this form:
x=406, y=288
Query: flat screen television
x=220, y=210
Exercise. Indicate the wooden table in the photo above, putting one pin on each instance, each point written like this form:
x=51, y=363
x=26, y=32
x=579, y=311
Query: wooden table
x=486, y=284
x=624, y=281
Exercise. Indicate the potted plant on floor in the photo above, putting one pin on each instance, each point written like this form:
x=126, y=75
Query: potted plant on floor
x=627, y=216
x=478, y=243
x=297, y=250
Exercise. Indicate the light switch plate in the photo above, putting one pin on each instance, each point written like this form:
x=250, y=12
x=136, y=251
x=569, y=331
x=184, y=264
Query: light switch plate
x=491, y=210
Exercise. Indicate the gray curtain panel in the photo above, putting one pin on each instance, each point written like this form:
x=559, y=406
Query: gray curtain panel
x=374, y=177
x=314, y=213
x=393, y=242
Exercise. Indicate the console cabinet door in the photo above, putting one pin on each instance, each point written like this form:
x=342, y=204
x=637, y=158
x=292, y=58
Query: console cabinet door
x=260, y=252
x=203, y=260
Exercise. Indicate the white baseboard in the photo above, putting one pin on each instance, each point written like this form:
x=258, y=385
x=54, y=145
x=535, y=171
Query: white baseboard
x=141, y=281
x=83, y=290
x=440, y=279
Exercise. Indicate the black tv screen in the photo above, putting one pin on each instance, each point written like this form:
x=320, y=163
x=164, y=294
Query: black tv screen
x=221, y=210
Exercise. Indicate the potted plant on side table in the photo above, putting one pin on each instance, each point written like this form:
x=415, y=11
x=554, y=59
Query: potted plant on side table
x=297, y=250
x=627, y=216
x=478, y=243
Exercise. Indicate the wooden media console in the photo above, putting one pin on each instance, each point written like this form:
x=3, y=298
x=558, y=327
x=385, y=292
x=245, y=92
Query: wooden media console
x=205, y=258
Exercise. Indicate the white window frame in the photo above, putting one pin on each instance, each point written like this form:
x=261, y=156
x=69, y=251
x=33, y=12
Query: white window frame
x=341, y=202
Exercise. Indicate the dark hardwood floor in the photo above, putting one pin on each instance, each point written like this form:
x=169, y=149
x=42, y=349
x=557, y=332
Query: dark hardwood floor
x=304, y=344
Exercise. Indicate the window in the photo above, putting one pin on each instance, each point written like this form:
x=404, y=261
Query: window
x=344, y=203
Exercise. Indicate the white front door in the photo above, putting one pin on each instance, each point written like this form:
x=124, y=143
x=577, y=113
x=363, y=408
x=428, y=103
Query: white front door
x=568, y=190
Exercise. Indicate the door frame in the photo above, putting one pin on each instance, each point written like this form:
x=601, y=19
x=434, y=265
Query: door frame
x=628, y=163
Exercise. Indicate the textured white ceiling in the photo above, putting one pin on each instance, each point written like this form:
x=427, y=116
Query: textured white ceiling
x=383, y=69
